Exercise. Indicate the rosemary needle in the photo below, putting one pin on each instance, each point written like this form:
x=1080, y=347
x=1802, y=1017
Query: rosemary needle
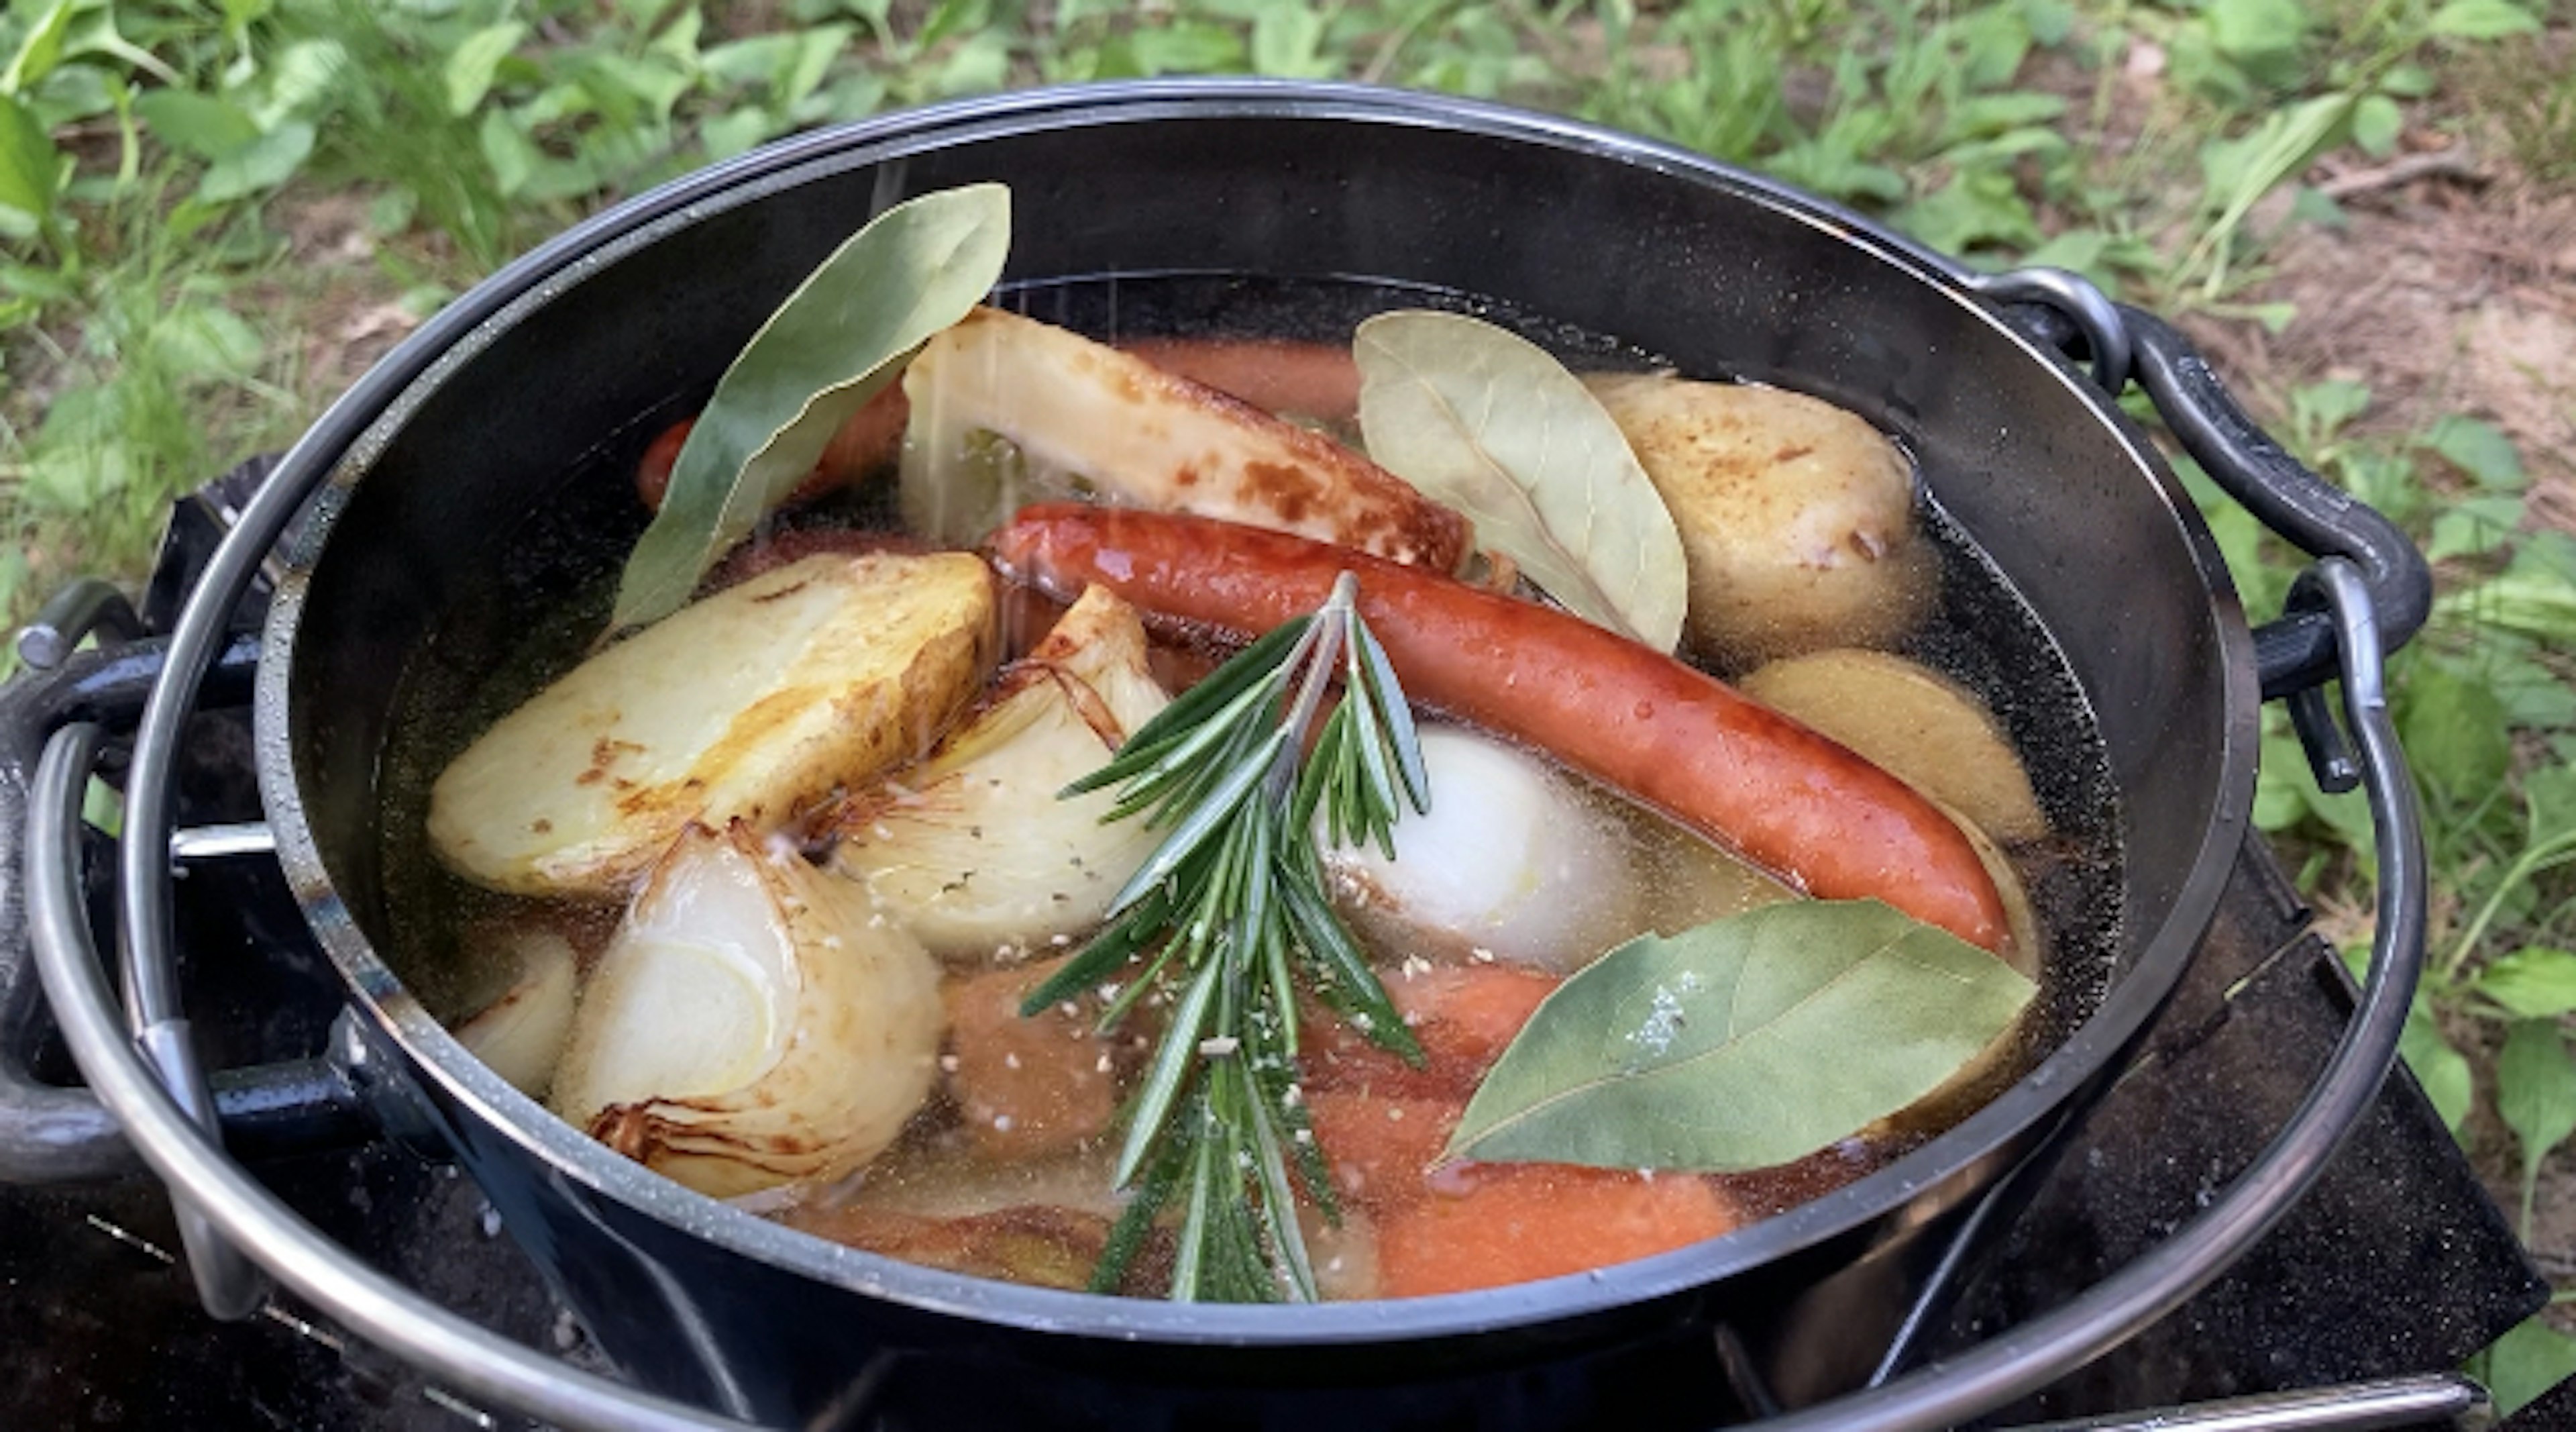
x=1230, y=918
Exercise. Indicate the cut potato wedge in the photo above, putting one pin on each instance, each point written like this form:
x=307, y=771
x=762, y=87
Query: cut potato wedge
x=1797, y=518
x=755, y=1021
x=1082, y=419
x=973, y=849
x=737, y=707
x=1914, y=723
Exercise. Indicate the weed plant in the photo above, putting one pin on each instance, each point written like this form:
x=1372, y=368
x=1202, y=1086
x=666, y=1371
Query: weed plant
x=155, y=157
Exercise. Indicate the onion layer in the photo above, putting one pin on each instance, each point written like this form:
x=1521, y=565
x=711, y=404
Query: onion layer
x=754, y=1021
x=972, y=849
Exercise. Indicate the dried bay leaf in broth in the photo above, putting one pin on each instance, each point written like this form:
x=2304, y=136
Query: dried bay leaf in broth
x=844, y=334
x=1490, y=424
x=1745, y=1043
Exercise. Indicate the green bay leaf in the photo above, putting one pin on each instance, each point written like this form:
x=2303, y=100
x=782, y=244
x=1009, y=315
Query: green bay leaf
x=838, y=340
x=1745, y=1043
x=1490, y=424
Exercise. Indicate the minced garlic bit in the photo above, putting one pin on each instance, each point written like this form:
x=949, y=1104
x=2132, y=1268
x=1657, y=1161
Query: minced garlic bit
x=948, y=1063
x=1220, y=1046
x=1481, y=955
x=1415, y=966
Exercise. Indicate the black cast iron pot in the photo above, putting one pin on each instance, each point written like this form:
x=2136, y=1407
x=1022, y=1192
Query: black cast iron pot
x=560, y=364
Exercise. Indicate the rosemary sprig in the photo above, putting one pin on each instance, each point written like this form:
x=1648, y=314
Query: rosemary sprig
x=1229, y=920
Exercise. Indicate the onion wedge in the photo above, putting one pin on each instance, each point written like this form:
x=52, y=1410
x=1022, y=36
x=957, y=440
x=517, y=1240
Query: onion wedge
x=755, y=1021
x=972, y=848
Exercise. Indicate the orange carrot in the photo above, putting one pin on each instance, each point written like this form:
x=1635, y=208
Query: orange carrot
x=1380, y=1147
x=1462, y=1015
x=1512, y=1223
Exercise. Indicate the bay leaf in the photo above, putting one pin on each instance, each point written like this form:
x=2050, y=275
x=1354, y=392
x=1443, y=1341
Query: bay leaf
x=836, y=342
x=1494, y=426
x=1744, y=1043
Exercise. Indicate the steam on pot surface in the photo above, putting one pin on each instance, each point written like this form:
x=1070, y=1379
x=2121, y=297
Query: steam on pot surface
x=1643, y=809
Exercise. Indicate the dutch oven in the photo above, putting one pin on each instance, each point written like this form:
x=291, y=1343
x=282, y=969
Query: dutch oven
x=549, y=374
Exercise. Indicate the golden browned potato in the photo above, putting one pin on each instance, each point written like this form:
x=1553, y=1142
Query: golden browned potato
x=1915, y=724
x=1797, y=518
x=818, y=673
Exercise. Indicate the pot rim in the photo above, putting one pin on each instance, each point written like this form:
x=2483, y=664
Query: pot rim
x=361, y=422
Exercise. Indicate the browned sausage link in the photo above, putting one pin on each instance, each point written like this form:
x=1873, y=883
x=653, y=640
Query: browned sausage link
x=1674, y=737
x=866, y=443
x=1307, y=380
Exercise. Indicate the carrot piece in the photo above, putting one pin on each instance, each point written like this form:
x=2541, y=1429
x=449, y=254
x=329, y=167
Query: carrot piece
x=1513, y=1223
x=1026, y=1087
x=1462, y=1015
x=1379, y=1148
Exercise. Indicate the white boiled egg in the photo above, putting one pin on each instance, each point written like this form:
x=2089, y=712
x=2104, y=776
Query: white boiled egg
x=1512, y=863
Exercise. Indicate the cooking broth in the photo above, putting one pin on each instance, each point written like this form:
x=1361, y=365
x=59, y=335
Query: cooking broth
x=935, y=1195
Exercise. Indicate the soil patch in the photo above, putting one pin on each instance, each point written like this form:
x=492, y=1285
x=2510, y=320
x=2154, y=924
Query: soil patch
x=2448, y=293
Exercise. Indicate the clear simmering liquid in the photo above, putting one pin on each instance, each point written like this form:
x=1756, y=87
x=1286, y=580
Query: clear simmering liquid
x=1016, y=1201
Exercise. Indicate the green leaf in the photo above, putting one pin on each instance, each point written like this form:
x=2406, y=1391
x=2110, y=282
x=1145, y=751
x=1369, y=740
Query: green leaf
x=2536, y=1094
x=2475, y=526
x=197, y=124
x=299, y=79
x=2527, y=1362
x=980, y=65
x=41, y=50
x=2376, y=123
x=2454, y=733
x=1490, y=424
x=839, y=338
x=1742, y=1044
x=471, y=65
x=2482, y=20
x=506, y=147
x=30, y=167
x=2479, y=449
x=203, y=340
x=1186, y=48
x=2319, y=410
x=2442, y=1071
x=1285, y=39
x=258, y=166
x=2540, y=604
x=2247, y=28
x=2534, y=982
x=2280, y=783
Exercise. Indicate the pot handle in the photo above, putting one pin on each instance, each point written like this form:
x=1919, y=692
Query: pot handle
x=239, y=1212
x=2025, y=1358
x=50, y=1133
x=2296, y=652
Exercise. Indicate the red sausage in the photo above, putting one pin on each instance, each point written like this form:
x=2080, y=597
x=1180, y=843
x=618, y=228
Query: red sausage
x=866, y=443
x=1674, y=737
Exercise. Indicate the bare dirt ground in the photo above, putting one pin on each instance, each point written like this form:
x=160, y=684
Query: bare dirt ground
x=2450, y=292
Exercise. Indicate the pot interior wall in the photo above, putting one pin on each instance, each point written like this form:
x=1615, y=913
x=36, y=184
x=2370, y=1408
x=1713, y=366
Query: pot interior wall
x=1711, y=274
x=1688, y=266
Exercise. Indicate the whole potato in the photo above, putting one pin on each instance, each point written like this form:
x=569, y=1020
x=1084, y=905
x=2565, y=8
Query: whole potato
x=1797, y=518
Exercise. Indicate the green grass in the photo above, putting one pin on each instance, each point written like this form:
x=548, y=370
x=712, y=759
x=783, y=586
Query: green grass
x=155, y=156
